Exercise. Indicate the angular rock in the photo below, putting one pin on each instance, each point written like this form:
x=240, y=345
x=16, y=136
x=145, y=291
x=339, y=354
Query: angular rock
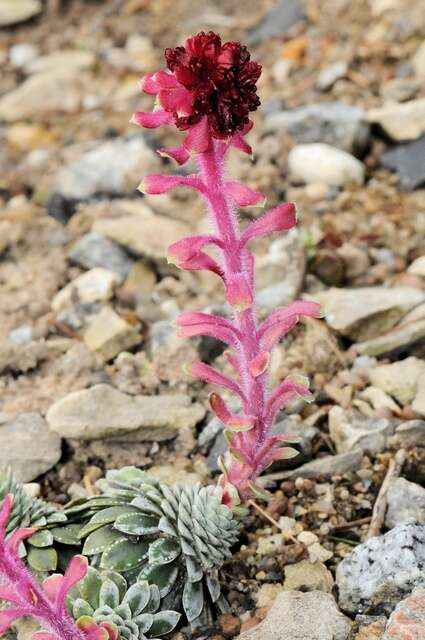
x=320, y=162
x=408, y=435
x=18, y=11
x=350, y=430
x=383, y=570
x=284, y=15
x=95, y=285
x=308, y=576
x=405, y=121
x=406, y=501
x=327, y=466
x=42, y=94
x=334, y=123
x=108, y=334
x=365, y=313
x=408, y=162
x=93, y=250
x=141, y=231
x=418, y=61
x=407, y=621
x=370, y=627
x=399, y=379
x=301, y=616
x=111, y=167
x=104, y=412
x=27, y=446
x=417, y=267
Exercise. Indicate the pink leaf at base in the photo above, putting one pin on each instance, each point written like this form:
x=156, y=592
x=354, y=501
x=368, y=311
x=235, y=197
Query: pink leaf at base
x=238, y=291
x=154, y=184
x=211, y=375
x=279, y=219
x=180, y=154
x=243, y=195
x=152, y=119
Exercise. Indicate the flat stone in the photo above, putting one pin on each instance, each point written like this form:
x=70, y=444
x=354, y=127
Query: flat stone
x=399, y=379
x=95, y=285
x=28, y=447
x=418, y=61
x=327, y=466
x=407, y=621
x=301, y=616
x=417, y=267
x=284, y=15
x=320, y=162
x=405, y=121
x=408, y=435
x=350, y=430
x=308, y=576
x=408, y=162
x=71, y=59
x=383, y=570
x=108, y=334
x=93, y=250
x=104, y=412
x=18, y=11
x=406, y=501
x=399, y=338
x=367, y=312
x=111, y=167
x=333, y=123
x=43, y=94
x=140, y=230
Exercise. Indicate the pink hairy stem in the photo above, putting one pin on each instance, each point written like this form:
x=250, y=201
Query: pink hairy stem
x=235, y=262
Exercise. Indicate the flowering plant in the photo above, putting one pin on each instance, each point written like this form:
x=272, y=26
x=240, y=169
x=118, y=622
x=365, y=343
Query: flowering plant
x=45, y=603
x=209, y=91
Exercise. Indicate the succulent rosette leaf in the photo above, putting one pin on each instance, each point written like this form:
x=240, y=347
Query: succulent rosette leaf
x=174, y=537
x=105, y=598
x=55, y=540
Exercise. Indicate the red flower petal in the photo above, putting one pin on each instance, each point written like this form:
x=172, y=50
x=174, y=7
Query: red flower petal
x=152, y=120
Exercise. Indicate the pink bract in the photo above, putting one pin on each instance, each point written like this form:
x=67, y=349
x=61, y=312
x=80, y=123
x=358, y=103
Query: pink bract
x=202, y=77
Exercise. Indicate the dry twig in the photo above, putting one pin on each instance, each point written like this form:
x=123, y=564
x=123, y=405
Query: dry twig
x=378, y=514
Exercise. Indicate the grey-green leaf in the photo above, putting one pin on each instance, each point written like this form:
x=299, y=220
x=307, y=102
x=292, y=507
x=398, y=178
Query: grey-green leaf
x=100, y=540
x=109, y=594
x=164, y=576
x=123, y=555
x=137, y=524
x=81, y=608
x=164, y=551
x=164, y=622
x=41, y=539
x=69, y=534
x=43, y=559
x=193, y=600
x=137, y=597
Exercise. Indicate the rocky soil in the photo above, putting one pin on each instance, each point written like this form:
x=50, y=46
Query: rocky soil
x=91, y=368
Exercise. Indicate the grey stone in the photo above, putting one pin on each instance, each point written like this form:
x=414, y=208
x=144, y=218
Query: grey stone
x=301, y=616
x=383, y=570
x=350, y=430
x=334, y=123
x=400, y=379
x=319, y=162
x=367, y=312
x=112, y=167
x=406, y=501
x=16, y=11
x=408, y=161
x=27, y=446
x=400, y=337
x=330, y=74
x=408, y=435
x=93, y=250
x=284, y=15
x=327, y=466
x=401, y=121
x=104, y=412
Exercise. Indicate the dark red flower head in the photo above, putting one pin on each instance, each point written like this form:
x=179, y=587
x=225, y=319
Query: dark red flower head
x=222, y=80
x=209, y=90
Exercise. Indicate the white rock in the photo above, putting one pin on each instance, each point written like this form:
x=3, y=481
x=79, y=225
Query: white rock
x=102, y=412
x=330, y=74
x=301, y=616
x=23, y=53
x=367, y=312
x=95, y=285
x=406, y=501
x=404, y=121
x=349, y=430
x=65, y=60
x=15, y=11
x=399, y=379
x=418, y=61
x=417, y=266
x=320, y=162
